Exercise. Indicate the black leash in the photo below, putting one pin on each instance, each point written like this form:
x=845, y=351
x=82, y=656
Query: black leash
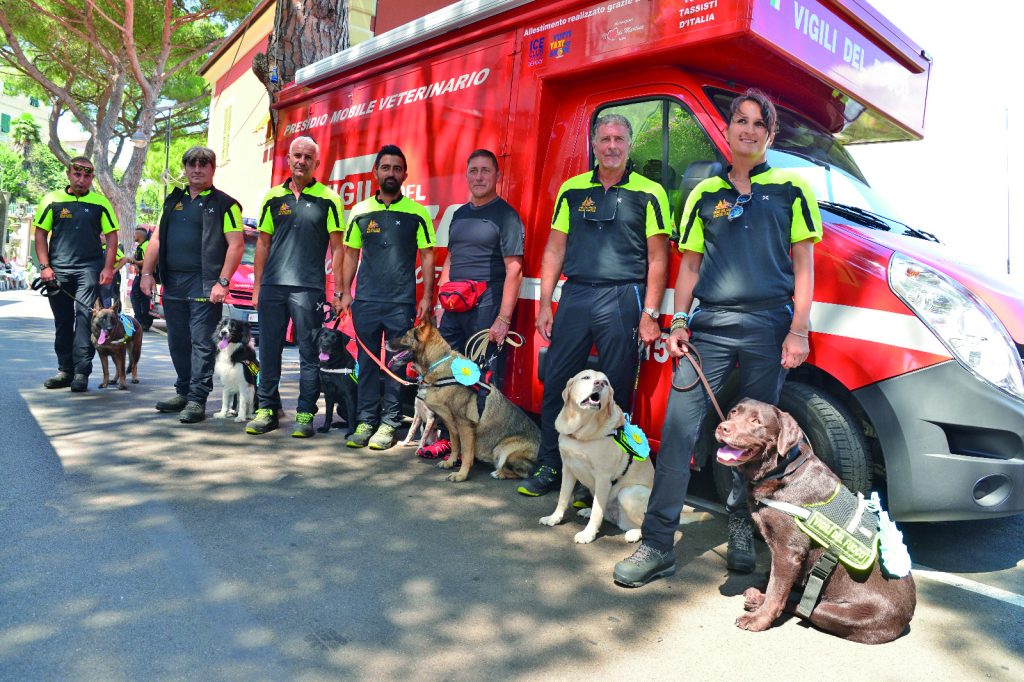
x=51, y=287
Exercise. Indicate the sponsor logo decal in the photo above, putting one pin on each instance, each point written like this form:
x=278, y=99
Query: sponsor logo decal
x=536, y=51
x=372, y=227
x=588, y=206
x=64, y=213
x=560, y=45
x=179, y=207
x=721, y=209
x=284, y=210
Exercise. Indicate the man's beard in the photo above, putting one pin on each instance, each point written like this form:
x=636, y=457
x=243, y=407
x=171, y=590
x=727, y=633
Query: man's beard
x=390, y=185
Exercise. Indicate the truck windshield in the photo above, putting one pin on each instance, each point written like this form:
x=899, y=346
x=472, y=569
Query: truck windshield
x=804, y=147
x=249, y=255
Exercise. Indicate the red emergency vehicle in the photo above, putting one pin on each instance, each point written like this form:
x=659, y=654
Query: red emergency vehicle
x=915, y=375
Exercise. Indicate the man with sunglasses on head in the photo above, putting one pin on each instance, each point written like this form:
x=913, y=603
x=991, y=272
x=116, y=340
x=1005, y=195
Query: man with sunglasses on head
x=70, y=225
x=299, y=219
x=609, y=236
x=197, y=248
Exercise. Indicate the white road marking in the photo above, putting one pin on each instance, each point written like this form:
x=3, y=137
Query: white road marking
x=919, y=570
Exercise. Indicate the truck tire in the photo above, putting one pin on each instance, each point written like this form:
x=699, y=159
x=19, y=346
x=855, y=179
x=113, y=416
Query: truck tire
x=834, y=434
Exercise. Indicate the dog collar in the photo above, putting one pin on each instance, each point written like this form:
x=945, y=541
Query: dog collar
x=437, y=364
x=780, y=471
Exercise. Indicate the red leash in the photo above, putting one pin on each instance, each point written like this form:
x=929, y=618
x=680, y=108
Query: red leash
x=380, y=361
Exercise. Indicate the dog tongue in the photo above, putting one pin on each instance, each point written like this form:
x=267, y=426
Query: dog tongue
x=222, y=344
x=102, y=337
x=324, y=357
x=730, y=454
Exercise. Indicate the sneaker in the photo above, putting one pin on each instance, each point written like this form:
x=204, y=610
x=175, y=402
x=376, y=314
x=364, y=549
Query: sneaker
x=361, y=436
x=581, y=497
x=741, y=555
x=80, y=384
x=436, y=450
x=384, y=438
x=303, y=425
x=175, y=404
x=59, y=380
x=264, y=421
x=643, y=566
x=544, y=480
x=194, y=412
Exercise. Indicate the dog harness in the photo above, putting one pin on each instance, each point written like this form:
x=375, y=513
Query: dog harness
x=633, y=441
x=129, y=328
x=466, y=373
x=851, y=529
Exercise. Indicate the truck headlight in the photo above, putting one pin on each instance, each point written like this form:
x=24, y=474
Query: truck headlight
x=965, y=325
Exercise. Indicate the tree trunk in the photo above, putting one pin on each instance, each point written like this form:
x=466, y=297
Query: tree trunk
x=305, y=31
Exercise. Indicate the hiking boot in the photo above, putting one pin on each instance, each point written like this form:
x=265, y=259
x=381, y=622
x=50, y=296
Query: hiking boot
x=194, y=411
x=303, y=425
x=741, y=556
x=175, y=404
x=643, y=566
x=436, y=450
x=80, y=384
x=384, y=438
x=264, y=421
x=61, y=379
x=361, y=436
x=544, y=480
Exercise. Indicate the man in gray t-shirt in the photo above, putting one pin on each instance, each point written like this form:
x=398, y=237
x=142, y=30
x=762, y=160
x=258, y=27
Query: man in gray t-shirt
x=485, y=244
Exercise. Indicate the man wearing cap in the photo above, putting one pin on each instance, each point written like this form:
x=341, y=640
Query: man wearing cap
x=609, y=235
x=197, y=247
x=299, y=219
x=70, y=225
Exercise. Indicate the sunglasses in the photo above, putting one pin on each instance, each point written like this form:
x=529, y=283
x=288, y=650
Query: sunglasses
x=202, y=163
x=737, y=209
x=83, y=170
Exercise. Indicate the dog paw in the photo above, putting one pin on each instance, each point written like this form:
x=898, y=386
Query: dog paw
x=634, y=535
x=752, y=599
x=753, y=622
x=122, y=387
x=585, y=537
x=552, y=520
x=323, y=429
x=584, y=513
x=241, y=419
x=220, y=415
x=104, y=384
x=446, y=464
x=457, y=477
x=495, y=475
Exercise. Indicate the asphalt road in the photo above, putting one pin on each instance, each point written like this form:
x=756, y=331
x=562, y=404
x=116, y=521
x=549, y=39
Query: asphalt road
x=137, y=548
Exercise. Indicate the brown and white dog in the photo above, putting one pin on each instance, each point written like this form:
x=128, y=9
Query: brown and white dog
x=621, y=486
x=867, y=607
x=112, y=340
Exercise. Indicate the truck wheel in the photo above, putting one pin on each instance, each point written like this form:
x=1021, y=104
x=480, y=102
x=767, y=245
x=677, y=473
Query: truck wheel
x=833, y=432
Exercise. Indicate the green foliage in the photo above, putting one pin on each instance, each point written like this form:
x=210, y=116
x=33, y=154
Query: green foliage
x=44, y=173
x=13, y=178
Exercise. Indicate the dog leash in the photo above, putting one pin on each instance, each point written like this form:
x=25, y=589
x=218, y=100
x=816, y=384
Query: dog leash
x=697, y=364
x=377, y=360
x=51, y=287
x=476, y=346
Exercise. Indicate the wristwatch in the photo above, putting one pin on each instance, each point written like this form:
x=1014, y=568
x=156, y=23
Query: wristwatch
x=653, y=312
x=337, y=295
x=223, y=281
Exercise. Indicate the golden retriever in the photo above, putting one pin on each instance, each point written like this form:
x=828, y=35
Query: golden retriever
x=621, y=485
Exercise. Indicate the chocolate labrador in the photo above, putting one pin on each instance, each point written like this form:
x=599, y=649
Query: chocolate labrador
x=776, y=460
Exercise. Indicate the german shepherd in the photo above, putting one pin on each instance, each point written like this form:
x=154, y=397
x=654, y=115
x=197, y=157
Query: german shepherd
x=500, y=433
x=112, y=340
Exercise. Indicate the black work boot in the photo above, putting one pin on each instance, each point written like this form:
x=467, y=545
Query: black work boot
x=61, y=379
x=643, y=566
x=175, y=404
x=80, y=384
x=741, y=556
x=194, y=412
